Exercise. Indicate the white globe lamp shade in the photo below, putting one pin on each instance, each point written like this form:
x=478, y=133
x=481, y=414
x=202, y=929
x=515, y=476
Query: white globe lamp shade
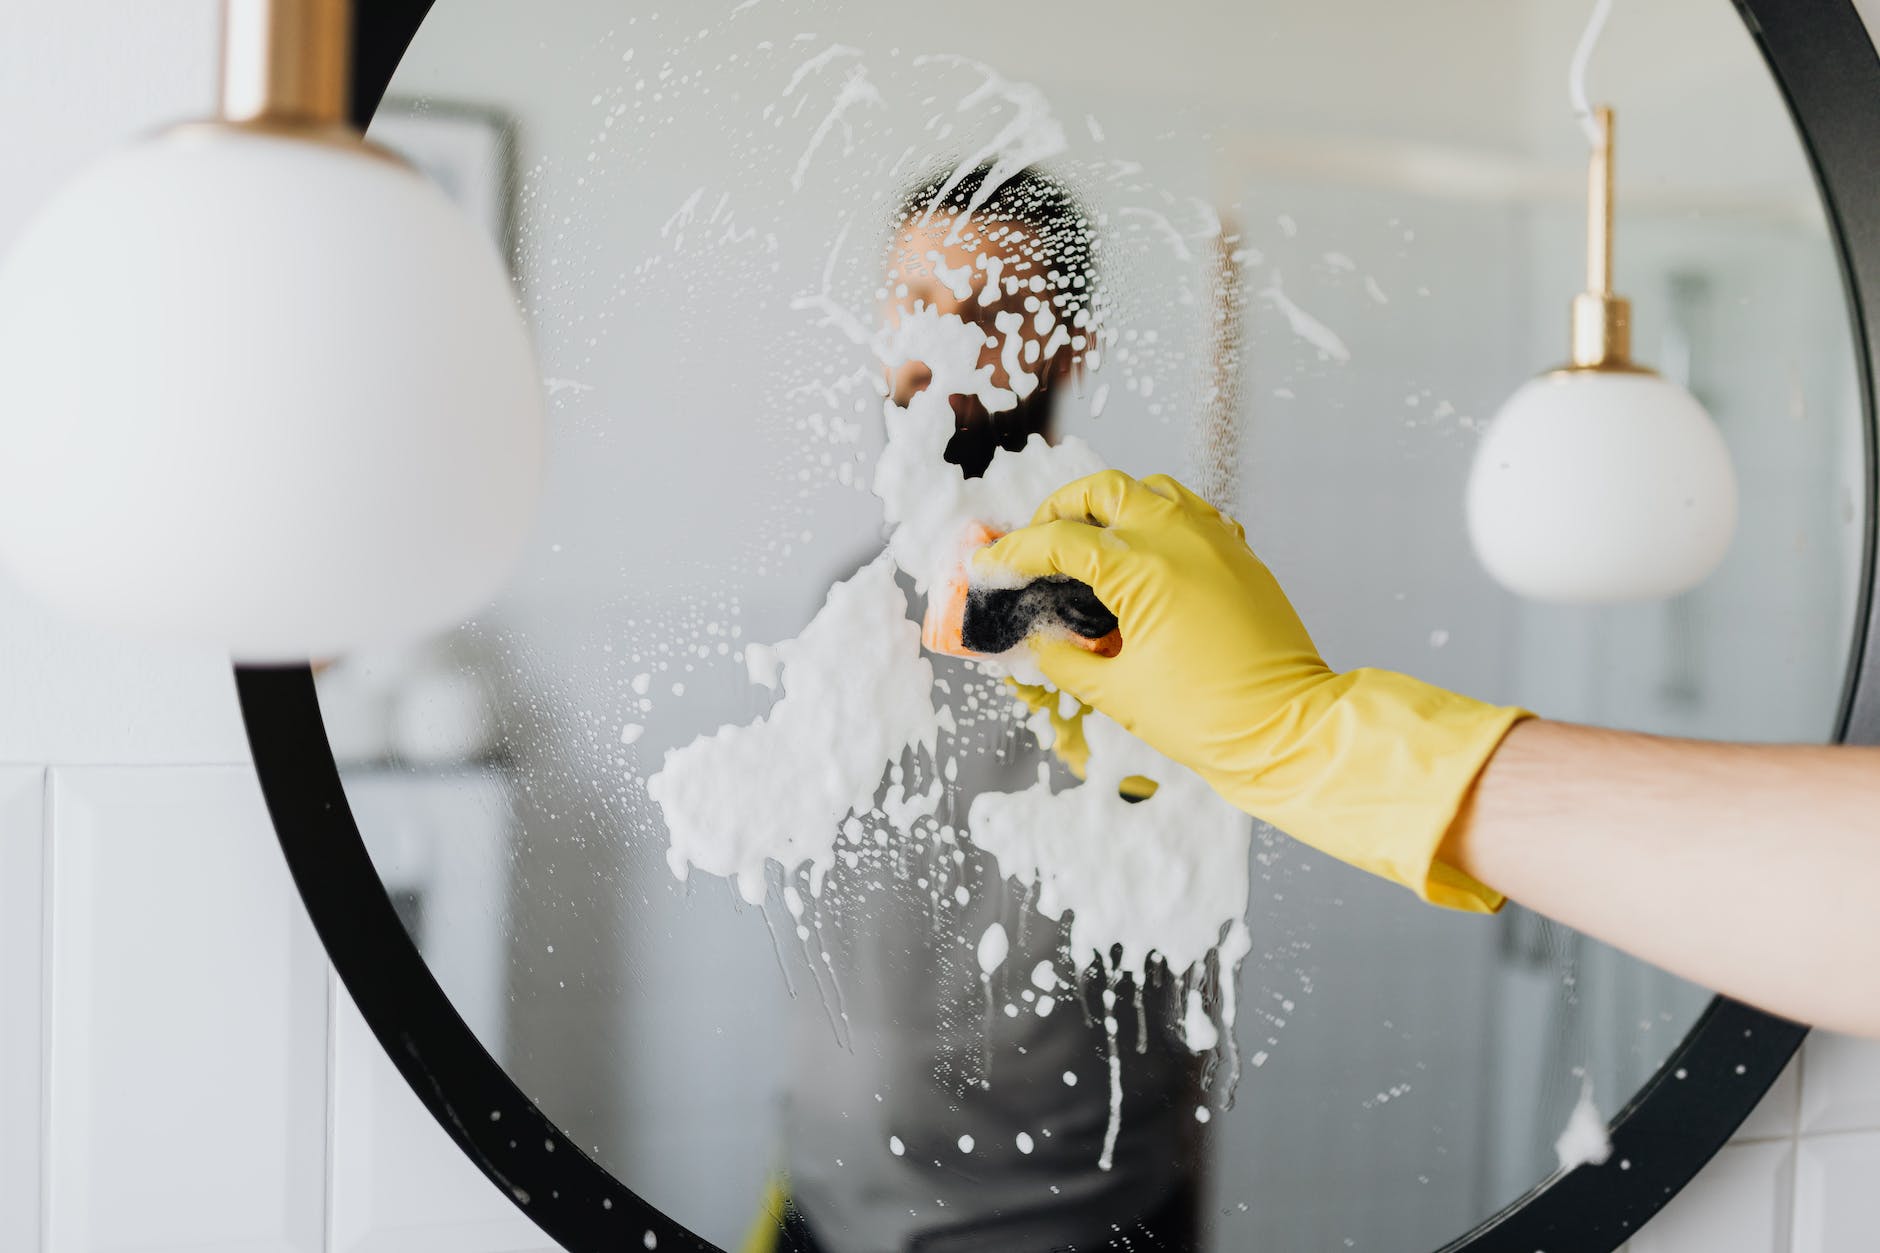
x=1601, y=486
x=262, y=391
x=1600, y=481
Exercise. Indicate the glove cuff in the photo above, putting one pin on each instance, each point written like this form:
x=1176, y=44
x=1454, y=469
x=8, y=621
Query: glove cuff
x=1375, y=773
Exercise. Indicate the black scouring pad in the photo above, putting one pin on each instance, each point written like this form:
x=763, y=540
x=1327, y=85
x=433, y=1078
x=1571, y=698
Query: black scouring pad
x=997, y=620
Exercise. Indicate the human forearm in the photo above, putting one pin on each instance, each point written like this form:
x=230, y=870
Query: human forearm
x=1750, y=869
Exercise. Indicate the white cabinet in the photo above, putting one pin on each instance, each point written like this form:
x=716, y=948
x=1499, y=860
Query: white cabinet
x=187, y=1033
x=1739, y=1203
x=1840, y=1084
x=22, y=876
x=399, y=1184
x=187, y=1085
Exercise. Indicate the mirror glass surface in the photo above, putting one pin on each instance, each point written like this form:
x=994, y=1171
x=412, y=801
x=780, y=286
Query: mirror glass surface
x=1321, y=244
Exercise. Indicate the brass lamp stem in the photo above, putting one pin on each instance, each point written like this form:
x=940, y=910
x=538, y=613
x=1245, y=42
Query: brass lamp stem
x=1602, y=322
x=285, y=63
x=1599, y=206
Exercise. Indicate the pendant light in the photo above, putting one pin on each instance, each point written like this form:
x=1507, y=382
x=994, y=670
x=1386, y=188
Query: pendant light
x=1601, y=481
x=261, y=385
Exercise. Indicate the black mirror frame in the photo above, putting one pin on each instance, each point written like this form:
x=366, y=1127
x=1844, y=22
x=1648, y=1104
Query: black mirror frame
x=1823, y=61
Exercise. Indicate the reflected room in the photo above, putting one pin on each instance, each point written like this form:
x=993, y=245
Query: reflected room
x=788, y=921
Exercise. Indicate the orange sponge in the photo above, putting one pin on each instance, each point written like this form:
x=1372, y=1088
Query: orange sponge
x=967, y=621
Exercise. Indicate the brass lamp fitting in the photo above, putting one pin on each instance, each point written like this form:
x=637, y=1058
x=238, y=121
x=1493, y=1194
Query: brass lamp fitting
x=1601, y=320
x=286, y=63
x=287, y=72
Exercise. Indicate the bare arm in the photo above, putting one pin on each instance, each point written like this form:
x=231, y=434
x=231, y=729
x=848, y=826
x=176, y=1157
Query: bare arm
x=1753, y=870
x=1750, y=869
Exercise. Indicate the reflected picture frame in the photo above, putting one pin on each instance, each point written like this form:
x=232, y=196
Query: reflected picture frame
x=469, y=151
x=1826, y=68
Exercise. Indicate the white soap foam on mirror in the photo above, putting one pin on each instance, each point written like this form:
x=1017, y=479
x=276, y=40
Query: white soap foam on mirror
x=856, y=695
x=1584, y=1141
x=993, y=946
x=1166, y=876
x=1163, y=879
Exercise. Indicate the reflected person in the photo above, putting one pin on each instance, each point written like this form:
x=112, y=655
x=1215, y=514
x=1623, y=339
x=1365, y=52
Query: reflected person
x=930, y=1109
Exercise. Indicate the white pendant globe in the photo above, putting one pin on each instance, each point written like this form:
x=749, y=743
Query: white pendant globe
x=264, y=392
x=1599, y=486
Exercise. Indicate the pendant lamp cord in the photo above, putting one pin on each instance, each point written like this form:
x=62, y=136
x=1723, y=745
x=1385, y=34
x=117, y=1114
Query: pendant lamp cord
x=1576, y=71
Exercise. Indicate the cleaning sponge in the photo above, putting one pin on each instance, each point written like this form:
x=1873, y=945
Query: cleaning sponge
x=968, y=620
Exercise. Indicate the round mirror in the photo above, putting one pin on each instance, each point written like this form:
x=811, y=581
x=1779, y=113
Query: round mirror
x=785, y=920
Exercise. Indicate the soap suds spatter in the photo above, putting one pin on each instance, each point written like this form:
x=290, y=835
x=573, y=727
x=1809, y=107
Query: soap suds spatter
x=1167, y=877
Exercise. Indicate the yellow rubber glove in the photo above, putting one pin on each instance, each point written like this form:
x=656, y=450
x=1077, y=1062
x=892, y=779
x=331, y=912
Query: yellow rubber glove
x=1067, y=736
x=767, y=1227
x=1067, y=733
x=1218, y=673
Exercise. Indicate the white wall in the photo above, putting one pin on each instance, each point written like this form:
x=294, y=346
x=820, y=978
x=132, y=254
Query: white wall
x=176, y=1066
